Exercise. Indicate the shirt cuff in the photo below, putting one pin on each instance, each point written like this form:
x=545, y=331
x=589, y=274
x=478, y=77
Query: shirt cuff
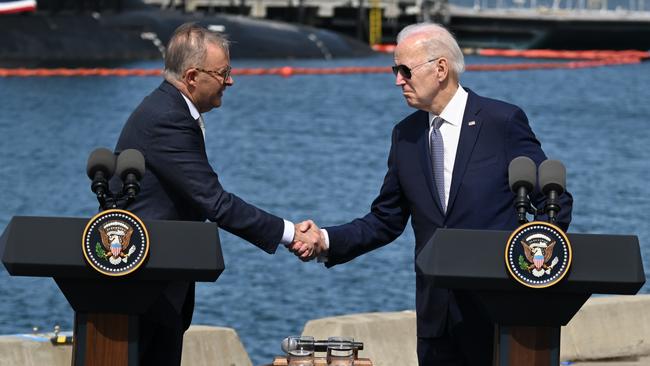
x=327, y=239
x=289, y=231
x=322, y=258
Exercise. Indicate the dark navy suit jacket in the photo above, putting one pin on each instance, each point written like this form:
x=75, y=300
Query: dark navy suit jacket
x=480, y=197
x=180, y=184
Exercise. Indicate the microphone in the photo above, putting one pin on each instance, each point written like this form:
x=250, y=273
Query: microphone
x=552, y=179
x=130, y=168
x=100, y=168
x=522, y=177
x=290, y=344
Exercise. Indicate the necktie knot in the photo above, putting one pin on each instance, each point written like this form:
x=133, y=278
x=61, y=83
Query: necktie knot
x=437, y=122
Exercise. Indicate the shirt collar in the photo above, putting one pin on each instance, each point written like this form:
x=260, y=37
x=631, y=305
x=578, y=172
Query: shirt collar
x=454, y=110
x=193, y=111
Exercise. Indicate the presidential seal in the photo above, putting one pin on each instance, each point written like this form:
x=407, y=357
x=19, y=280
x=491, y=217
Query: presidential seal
x=115, y=242
x=538, y=254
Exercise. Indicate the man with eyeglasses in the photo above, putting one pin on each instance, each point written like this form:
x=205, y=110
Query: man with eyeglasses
x=179, y=183
x=447, y=168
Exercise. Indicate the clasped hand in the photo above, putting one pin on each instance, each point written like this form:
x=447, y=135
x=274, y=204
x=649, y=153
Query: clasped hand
x=308, y=241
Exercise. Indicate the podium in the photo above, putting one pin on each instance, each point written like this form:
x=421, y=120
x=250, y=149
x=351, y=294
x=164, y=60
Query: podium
x=107, y=308
x=528, y=320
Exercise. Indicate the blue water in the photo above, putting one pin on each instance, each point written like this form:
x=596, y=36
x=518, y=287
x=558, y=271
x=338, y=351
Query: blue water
x=310, y=147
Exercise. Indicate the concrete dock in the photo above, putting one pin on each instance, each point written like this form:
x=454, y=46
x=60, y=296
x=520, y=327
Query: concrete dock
x=607, y=331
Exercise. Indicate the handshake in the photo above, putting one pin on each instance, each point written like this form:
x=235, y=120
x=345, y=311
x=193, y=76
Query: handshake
x=308, y=241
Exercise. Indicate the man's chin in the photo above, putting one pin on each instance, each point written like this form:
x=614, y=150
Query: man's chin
x=410, y=101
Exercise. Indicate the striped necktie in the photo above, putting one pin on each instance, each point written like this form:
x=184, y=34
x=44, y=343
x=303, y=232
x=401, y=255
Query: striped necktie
x=438, y=160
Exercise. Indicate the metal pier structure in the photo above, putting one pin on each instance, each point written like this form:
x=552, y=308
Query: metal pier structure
x=518, y=24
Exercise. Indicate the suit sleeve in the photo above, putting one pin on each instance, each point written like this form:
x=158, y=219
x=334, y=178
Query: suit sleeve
x=522, y=141
x=178, y=159
x=387, y=219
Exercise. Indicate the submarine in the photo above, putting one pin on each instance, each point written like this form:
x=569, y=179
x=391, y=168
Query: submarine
x=59, y=33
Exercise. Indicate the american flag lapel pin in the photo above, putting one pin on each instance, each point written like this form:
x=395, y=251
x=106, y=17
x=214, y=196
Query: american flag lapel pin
x=471, y=123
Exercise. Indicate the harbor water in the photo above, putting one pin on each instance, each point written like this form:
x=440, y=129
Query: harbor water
x=312, y=146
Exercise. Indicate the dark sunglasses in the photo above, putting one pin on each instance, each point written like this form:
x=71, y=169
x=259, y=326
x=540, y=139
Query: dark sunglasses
x=225, y=73
x=406, y=71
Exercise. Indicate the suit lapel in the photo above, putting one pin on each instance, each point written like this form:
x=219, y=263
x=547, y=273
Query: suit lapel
x=469, y=132
x=170, y=89
x=425, y=157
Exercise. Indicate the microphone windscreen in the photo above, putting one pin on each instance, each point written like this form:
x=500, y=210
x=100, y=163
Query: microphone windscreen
x=101, y=159
x=552, y=176
x=288, y=344
x=130, y=161
x=522, y=172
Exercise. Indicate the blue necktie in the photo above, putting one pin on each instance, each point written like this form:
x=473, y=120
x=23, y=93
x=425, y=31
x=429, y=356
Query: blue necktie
x=438, y=160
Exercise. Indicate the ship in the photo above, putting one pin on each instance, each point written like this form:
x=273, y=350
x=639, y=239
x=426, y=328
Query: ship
x=551, y=28
x=104, y=32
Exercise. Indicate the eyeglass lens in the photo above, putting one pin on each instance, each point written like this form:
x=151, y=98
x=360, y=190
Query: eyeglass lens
x=226, y=72
x=402, y=69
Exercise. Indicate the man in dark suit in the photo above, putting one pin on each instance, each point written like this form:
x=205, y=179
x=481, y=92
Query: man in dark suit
x=179, y=183
x=447, y=168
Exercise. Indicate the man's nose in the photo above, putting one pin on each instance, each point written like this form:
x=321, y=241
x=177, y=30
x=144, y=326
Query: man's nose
x=399, y=79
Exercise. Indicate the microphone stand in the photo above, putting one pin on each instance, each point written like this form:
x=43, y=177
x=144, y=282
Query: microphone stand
x=523, y=206
x=109, y=200
x=552, y=207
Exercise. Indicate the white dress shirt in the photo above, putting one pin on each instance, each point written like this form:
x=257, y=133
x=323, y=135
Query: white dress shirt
x=287, y=235
x=195, y=114
x=450, y=130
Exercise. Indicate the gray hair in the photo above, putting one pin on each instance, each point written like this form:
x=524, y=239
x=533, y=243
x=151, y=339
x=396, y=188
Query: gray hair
x=439, y=43
x=188, y=48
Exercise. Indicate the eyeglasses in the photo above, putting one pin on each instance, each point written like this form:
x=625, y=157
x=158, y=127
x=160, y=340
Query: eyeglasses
x=406, y=71
x=225, y=73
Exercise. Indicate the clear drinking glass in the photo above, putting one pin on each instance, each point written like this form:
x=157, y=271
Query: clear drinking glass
x=340, y=351
x=303, y=353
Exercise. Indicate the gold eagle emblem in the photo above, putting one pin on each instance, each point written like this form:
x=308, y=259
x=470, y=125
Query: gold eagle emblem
x=116, y=238
x=538, y=255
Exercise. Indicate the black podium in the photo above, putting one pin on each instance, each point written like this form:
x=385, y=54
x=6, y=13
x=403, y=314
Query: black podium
x=107, y=308
x=528, y=320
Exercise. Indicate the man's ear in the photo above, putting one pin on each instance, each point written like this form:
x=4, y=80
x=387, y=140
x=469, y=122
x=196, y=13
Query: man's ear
x=189, y=77
x=442, y=69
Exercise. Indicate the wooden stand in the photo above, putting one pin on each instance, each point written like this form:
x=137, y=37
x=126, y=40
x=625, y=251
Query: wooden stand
x=105, y=340
x=532, y=346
